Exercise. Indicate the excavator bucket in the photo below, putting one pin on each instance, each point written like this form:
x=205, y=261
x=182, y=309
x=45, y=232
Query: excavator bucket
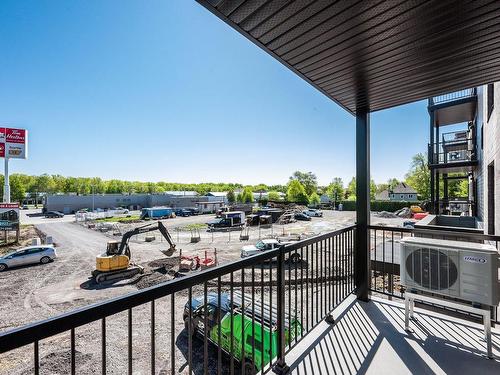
x=169, y=252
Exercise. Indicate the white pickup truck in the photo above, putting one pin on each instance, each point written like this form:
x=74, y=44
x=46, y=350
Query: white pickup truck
x=266, y=245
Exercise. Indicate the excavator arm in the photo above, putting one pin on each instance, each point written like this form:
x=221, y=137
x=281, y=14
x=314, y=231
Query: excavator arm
x=124, y=248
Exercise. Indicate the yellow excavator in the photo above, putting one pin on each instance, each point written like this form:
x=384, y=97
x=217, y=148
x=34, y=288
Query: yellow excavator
x=115, y=263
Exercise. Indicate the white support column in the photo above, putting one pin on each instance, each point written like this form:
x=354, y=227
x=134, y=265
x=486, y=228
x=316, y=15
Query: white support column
x=6, y=187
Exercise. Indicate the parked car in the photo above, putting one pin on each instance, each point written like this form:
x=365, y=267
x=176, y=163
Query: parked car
x=302, y=216
x=182, y=212
x=194, y=211
x=28, y=255
x=54, y=214
x=265, y=245
x=25, y=207
x=313, y=213
x=230, y=219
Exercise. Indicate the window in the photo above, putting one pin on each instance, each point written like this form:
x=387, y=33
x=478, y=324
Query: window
x=482, y=136
x=20, y=253
x=491, y=99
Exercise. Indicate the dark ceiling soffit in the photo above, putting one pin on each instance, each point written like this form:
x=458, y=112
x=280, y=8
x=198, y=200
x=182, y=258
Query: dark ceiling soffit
x=210, y=7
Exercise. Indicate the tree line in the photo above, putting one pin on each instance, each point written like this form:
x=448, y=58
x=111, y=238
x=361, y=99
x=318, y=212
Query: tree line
x=302, y=187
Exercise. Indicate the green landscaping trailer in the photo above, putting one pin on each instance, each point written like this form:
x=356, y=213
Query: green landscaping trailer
x=254, y=332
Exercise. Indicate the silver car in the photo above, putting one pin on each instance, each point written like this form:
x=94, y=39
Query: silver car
x=28, y=255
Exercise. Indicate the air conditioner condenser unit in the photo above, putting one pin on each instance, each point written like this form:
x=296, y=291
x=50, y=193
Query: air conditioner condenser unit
x=464, y=270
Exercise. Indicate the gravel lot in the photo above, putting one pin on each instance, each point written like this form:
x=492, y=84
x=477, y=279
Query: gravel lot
x=37, y=292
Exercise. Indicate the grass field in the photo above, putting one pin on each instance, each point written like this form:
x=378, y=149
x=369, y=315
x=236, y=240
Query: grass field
x=119, y=219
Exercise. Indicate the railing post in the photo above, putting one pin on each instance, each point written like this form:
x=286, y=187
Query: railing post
x=362, y=251
x=281, y=367
x=431, y=152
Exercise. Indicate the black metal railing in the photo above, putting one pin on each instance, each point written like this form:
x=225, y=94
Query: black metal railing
x=450, y=152
x=171, y=327
x=452, y=96
x=456, y=206
x=384, y=271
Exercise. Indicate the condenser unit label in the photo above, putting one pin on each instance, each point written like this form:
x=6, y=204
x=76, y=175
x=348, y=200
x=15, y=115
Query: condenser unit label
x=473, y=259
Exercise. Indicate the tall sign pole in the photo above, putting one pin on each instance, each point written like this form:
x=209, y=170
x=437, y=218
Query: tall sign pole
x=13, y=145
x=6, y=186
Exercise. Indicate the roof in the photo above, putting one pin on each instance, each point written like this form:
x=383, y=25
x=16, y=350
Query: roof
x=372, y=55
x=182, y=193
x=217, y=193
x=403, y=188
x=382, y=196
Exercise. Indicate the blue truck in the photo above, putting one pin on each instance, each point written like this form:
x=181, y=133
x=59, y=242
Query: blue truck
x=156, y=213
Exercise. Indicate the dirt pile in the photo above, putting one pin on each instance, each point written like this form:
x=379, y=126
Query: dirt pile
x=405, y=213
x=157, y=272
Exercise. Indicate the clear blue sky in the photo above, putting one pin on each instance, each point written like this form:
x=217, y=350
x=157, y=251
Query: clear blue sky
x=164, y=90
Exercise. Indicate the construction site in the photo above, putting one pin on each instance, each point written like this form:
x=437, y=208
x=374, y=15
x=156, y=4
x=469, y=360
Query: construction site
x=156, y=250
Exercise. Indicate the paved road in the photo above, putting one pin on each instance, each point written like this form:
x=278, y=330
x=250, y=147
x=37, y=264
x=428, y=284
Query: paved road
x=34, y=217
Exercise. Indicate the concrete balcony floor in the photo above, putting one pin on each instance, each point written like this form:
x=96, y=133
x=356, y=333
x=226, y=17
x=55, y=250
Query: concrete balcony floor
x=370, y=338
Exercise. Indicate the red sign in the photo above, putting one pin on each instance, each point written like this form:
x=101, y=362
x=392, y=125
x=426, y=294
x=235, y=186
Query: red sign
x=13, y=143
x=9, y=205
x=15, y=135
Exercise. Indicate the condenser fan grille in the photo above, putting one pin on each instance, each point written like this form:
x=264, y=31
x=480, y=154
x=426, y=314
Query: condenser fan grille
x=431, y=269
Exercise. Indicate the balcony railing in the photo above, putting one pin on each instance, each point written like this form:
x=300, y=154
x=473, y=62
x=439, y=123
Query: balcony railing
x=385, y=251
x=457, y=95
x=284, y=292
x=456, y=206
x=449, y=152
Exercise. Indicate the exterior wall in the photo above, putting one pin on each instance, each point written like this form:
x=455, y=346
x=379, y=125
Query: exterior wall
x=491, y=154
x=174, y=201
x=478, y=172
x=217, y=198
x=209, y=206
x=403, y=197
x=71, y=203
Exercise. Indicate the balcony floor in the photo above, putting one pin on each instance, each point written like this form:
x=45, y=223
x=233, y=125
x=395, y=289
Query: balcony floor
x=370, y=338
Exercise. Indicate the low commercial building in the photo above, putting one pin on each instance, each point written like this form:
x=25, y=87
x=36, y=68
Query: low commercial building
x=217, y=196
x=70, y=203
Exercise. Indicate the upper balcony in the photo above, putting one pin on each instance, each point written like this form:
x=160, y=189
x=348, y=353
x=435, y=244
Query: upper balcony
x=456, y=152
x=453, y=108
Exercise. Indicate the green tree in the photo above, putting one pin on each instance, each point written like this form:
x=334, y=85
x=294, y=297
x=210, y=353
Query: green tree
x=392, y=183
x=246, y=196
x=382, y=187
x=274, y=196
x=231, y=198
x=307, y=179
x=419, y=176
x=17, y=189
x=314, y=199
x=351, y=190
x=373, y=190
x=296, y=192
x=336, y=190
